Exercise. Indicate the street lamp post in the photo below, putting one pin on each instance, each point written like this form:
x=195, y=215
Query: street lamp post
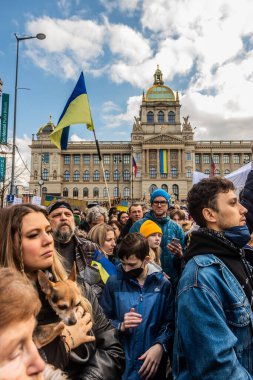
x=117, y=161
x=39, y=36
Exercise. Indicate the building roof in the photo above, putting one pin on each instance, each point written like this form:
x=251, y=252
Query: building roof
x=47, y=128
x=159, y=92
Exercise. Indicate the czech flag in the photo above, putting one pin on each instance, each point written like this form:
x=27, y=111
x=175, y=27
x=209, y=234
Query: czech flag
x=135, y=167
x=76, y=111
x=213, y=166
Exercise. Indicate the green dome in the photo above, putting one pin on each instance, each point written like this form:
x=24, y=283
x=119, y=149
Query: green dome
x=160, y=92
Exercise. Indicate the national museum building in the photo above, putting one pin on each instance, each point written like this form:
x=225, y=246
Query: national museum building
x=162, y=145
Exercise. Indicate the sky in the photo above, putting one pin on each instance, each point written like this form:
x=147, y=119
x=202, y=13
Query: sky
x=204, y=49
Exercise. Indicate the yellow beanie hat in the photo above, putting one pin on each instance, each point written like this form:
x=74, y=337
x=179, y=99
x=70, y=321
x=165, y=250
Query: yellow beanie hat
x=148, y=228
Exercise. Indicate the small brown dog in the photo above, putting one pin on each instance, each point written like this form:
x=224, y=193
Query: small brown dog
x=65, y=298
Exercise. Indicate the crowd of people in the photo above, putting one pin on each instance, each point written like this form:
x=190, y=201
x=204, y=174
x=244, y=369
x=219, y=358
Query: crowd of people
x=169, y=288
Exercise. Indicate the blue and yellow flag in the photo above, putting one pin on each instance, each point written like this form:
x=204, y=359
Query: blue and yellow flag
x=76, y=111
x=163, y=161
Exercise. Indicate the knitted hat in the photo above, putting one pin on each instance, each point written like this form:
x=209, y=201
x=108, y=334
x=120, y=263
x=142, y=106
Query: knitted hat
x=148, y=228
x=59, y=204
x=160, y=193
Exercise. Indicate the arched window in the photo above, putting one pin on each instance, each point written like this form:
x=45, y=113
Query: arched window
x=160, y=117
x=171, y=117
x=85, y=192
x=227, y=171
x=66, y=175
x=44, y=190
x=217, y=172
x=86, y=175
x=126, y=192
x=116, y=192
x=175, y=190
x=116, y=175
x=107, y=175
x=207, y=171
x=173, y=171
x=152, y=188
x=105, y=192
x=35, y=175
x=95, y=192
x=150, y=117
x=54, y=174
x=96, y=175
x=152, y=172
x=126, y=175
x=76, y=176
x=75, y=192
x=45, y=175
x=165, y=187
x=65, y=192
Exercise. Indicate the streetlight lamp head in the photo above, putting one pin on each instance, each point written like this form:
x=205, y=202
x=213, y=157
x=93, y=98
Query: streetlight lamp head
x=40, y=36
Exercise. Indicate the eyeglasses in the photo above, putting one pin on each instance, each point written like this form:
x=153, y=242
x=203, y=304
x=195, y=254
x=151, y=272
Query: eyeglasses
x=160, y=203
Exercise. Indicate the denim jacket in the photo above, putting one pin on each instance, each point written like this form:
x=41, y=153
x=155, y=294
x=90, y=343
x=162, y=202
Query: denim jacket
x=213, y=338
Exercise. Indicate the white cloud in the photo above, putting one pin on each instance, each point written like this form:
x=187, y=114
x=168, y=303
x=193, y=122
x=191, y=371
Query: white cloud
x=128, y=6
x=75, y=137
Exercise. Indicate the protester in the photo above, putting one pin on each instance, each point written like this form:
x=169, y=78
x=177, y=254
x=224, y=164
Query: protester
x=171, y=252
x=247, y=197
x=135, y=213
x=122, y=217
x=27, y=245
x=19, y=358
x=178, y=216
x=139, y=303
x=214, y=338
x=116, y=228
x=153, y=233
x=72, y=247
x=96, y=215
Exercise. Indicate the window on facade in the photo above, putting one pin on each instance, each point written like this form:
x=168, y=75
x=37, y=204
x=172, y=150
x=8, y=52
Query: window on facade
x=116, y=175
x=152, y=172
x=175, y=190
x=45, y=175
x=35, y=175
x=76, y=175
x=206, y=158
x=85, y=192
x=173, y=171
x=126, y=159
x=86, y=159
x=75, y=192
x=164, y=175
x=236, y=159
x=197, y=159
x=95, y=159
x=54, y=174
x=188, y=172
x=86, y=175
x=116, y=159
x=138, y=156
x=106, y=159
x=152, y=188
x=66, y=159
x=217, y=172
x=216, y=158
x=66, y=175
x=246, y=158
x=150, y=117
x=226, y=159
x=160, y=117
x=45, y=158
x=207, y=172
x=171, y=117
x=96, y=192
x=44, y=190
x=165, y=187
x=107, y=175
x=116, y=192
x=96, y=175
x=188, y=156
x=226, y=171
x=126, y=175
x=76, y=159
x=65, y=192
x=105, y=192
x=126, y=192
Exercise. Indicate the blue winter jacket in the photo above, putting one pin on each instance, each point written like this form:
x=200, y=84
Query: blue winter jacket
x=154, y=301
x=170, y=230
x=213, y=338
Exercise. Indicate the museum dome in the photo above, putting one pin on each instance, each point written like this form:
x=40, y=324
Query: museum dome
x=47, y=128
x=159, y=92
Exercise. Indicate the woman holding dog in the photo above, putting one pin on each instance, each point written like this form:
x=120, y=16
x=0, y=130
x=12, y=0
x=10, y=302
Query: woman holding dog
x=27, y=245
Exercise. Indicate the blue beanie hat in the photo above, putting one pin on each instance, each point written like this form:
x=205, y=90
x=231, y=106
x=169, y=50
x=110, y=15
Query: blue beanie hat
x=160, y=193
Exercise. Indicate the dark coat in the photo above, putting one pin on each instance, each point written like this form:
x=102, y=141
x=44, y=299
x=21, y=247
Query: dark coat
x=247, y=200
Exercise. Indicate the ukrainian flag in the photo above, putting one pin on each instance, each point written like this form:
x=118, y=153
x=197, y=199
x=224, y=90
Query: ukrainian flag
x=76, y=111
x=163, y=161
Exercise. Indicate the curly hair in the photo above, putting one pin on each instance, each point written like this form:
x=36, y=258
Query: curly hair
x=95, y=212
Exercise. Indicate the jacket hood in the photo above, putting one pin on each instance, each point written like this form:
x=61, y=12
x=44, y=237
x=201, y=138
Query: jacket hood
x=206, y=241
x=153, y=270
x=151, y=215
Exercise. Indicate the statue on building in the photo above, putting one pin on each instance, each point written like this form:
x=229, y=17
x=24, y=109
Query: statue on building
x=137, y=125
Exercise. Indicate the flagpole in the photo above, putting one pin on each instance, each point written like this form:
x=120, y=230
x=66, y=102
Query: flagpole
x=102, y=166
x=132, y=179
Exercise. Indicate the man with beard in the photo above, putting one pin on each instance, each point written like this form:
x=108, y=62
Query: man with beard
x=214, y=338
x=72, y=247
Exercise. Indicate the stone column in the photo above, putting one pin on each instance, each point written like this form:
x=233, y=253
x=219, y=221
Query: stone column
x=179, y=162
x=147, y=152
x=158, y=163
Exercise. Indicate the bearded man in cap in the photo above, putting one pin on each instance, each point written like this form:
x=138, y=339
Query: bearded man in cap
x=71, y=247
x=171, y=251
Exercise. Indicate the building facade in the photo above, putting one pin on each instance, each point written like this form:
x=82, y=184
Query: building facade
x=162, y=145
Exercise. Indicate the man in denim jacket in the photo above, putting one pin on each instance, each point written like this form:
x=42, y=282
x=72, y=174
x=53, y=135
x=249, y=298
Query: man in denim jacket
x=214, y=316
